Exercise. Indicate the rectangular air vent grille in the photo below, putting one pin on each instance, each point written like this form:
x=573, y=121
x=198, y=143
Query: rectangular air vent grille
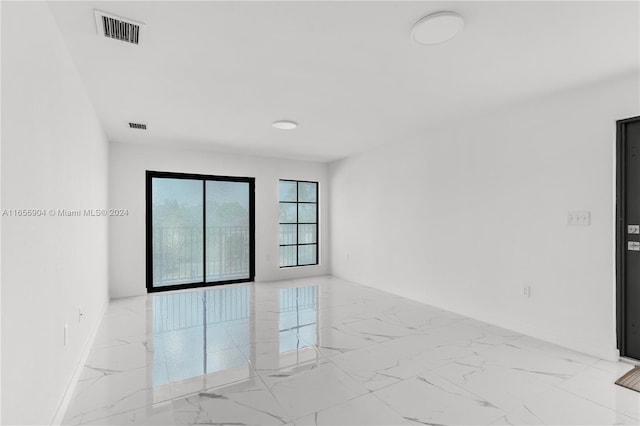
x=118, y=28
x=138, y=126
x=121, y=30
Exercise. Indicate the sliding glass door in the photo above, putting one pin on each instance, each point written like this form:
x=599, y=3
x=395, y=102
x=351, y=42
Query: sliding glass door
x=200, y=230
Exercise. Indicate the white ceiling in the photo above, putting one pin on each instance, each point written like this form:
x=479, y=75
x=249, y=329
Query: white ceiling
x=217, y=74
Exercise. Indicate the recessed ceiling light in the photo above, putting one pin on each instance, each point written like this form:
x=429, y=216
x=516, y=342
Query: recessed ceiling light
x=285, y=124
x=437, y=28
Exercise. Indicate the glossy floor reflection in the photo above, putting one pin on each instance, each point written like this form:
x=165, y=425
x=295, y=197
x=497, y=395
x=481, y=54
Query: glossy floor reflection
x=324, y=351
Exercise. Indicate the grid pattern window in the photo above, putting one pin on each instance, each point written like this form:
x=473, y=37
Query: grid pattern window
x=298, y=223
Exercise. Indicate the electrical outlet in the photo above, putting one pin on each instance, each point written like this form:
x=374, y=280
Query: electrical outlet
x=526, y=291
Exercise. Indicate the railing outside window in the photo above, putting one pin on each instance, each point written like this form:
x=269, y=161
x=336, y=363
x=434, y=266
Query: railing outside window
x=175, y=249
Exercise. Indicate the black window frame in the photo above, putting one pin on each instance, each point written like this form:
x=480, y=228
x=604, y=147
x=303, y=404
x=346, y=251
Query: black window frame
x=150, y=174
x=297, y=223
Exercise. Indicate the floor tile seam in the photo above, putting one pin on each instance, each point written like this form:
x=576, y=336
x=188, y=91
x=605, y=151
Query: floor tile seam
x=96, y=379
x=117, y=412
x=209, y=389
x=525, y=403
x=264, y=373
x=437, y=327
x=99, y=345
x=618, y=374
x=284, y=420
x=546, y=387
x=349, y=351
x=390, y=351
x=350, y=375
x=284, y=410
x=635, y=417
x=548, y=357
x=349, y=321
x=401, y=415
x=386, y=337
x=124, y=304
x=514, y=412
x=572, y=375
x=428, y=316
x=373, y=342
x=249, y=365
x=301, y=374
x=251, y=370
x=333, y=405
x=163, y=400
x=552, y=357
x=369, y=345
x=337, y=352
x=590, y=364
x=504, y=413
x=464, y=389
x=532, y=375
x=431, y=370
x=127, y=412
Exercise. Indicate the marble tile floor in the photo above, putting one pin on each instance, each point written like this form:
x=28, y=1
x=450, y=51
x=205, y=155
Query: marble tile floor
x=324, y=351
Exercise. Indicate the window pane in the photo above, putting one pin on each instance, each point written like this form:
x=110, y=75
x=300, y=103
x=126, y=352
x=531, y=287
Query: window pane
x=288, y=190
x=298, y=223
x=307, y=191
x=177, y=231
x=307, y=234
x=288, y=234
x=288, y=256
x=227, y=230
x=307, y=255
x=288, y=213
x=307, y=213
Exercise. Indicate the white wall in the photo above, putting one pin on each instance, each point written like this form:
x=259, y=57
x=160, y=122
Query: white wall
x=466, y=214
x=0, y=234
x=128, y=164
x=54, y=156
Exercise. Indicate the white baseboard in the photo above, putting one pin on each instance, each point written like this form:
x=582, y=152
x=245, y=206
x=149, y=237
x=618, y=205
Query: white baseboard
x=71, y=386
x=604, y=351
x=630, y=361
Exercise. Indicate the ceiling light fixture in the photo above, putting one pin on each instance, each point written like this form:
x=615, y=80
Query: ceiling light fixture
x=437, y=28
x=285, y=124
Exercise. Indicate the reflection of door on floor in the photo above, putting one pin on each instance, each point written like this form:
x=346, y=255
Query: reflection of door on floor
x=628, y=236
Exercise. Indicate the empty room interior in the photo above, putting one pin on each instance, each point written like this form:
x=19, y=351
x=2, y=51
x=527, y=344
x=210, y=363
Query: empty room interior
x=320, y=212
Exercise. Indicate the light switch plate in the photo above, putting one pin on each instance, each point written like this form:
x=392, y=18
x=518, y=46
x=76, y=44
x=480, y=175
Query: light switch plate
x=579, y=218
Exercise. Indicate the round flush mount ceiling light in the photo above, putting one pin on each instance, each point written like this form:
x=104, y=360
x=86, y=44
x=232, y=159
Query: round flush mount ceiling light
x=285, y=124
x=437, y=28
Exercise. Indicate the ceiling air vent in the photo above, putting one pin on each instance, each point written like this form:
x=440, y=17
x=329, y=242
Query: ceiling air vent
x=118, y=28
x=138, y=126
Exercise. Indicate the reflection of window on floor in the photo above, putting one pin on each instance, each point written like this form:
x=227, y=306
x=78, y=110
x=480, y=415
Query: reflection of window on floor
x=199, y=333
x=298, y=318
